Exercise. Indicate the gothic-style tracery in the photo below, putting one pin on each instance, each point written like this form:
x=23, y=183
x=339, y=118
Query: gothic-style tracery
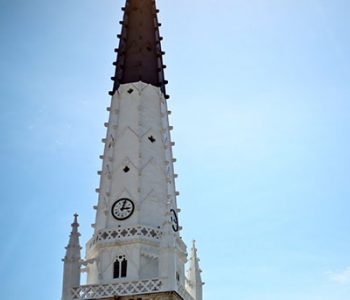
x=120, y=267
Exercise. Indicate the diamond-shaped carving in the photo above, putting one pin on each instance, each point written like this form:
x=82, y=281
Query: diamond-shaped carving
x=125, y=233
x=122, y=289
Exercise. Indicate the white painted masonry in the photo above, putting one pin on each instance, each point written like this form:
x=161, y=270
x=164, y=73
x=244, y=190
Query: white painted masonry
x=137, y=165
x=138, y=116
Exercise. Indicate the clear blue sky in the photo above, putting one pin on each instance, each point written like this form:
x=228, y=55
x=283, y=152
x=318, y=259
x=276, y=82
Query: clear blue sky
x=260, y=96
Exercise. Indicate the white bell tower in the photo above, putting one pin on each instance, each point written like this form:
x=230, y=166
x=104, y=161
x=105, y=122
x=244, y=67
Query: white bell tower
x=136, y=248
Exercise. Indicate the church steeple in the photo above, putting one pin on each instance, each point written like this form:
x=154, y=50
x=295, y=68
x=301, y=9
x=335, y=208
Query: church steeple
x=139, y=53
x=72, y=261
x=136, y=247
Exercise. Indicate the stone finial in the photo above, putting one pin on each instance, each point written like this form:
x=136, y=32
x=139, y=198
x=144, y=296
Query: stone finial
x=194, y=280
x=72, y=261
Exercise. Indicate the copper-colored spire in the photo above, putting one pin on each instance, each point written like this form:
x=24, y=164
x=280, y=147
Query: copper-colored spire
x=139, y=54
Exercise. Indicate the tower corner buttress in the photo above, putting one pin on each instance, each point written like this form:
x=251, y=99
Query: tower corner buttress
x=194, y=283
x=72, y=262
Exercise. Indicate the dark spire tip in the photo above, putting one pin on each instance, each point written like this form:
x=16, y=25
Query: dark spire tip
x=134, y=63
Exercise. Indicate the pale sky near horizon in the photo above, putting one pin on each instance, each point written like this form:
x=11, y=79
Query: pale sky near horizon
x=260, y=97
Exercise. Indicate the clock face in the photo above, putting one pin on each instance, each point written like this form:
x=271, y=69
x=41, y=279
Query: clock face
x=174, y=220
x=122, y=209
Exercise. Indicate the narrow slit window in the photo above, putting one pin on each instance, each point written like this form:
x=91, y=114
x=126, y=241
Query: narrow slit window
x=116, y=268
x=124, y=268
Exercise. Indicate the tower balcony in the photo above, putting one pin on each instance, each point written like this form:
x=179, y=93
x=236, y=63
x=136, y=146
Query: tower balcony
x=115, y=235
x=151, y=288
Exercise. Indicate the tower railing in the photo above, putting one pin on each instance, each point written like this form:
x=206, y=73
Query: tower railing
x=98, y=291
x=125, y=233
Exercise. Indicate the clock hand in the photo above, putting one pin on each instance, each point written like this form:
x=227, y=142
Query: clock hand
x=125, y=208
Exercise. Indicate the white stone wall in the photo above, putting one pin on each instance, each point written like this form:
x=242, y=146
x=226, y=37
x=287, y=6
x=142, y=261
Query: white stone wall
x=134, y=118
x=138, y=137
